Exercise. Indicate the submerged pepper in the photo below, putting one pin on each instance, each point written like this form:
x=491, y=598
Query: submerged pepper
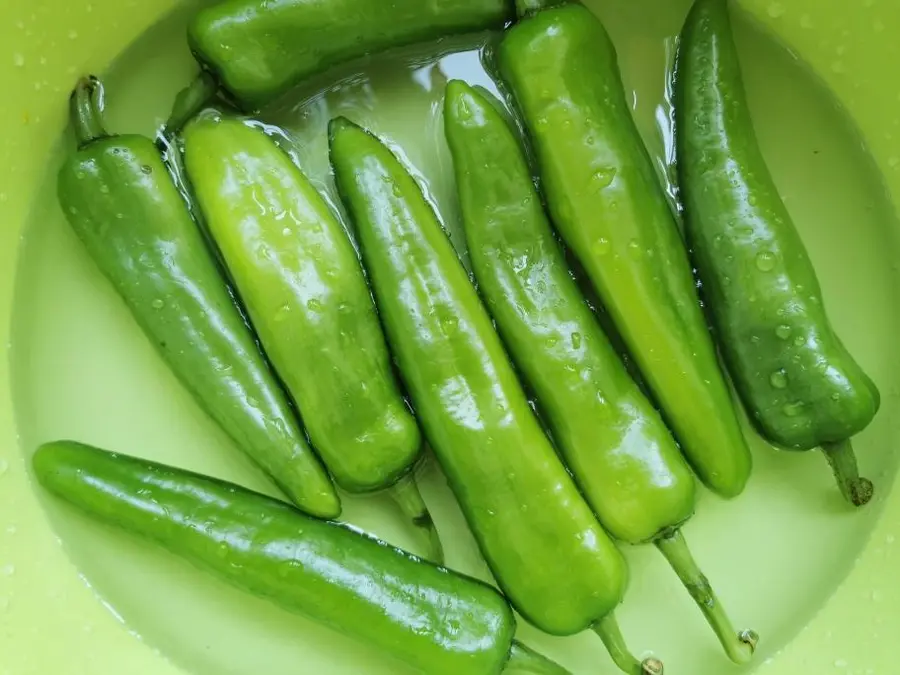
x=304, y=289
x=260, y=48
x=547, y=551
x=802, y=387
x=612, y=438
x=119, y=199
x=607, y=203
x=434, y=620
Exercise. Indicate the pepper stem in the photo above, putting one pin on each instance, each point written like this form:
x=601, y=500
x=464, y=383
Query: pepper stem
x=525, y=8
x=608, y=630
x=525, y=660
x=86, y=116
x=738, y=646
x=189, y=102
x=406, y=494
x=856, y=490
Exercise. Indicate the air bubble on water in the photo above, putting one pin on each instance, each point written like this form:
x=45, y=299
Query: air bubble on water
x=159, y=303
x=18, y=60
x=783, y=331
x=778, y=379
x=776, y=10
x=765, y=261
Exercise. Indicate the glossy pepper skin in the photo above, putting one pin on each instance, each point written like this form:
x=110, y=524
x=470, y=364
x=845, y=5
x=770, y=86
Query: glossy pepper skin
x=260, y=48
x=119, y=199
x=800, y=384
x=543, y=543
x=606, y=202
x=434, y=620
x=614, y=441
x=302, y=284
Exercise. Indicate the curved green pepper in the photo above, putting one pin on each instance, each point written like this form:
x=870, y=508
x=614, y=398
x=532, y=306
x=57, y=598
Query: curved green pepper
x=543, y=543
x=119, y=199
x=802, y=387
x=612, y=438
x=605, y=199
x=260, y=48
x=435, y=620
x=301, y=281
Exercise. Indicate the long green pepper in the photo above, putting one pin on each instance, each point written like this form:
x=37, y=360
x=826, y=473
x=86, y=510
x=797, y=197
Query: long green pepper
x=432, y=619
x=616, y=444
x=606, y=202
x=118, y=197
x=548, y=552
x=303, y=286
x=803, y=388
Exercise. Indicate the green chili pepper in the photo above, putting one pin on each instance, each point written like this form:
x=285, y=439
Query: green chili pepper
x=301, y=281
x=435, y=620
x=260, y=48
x=546, y=549
x=606, y=201
x=119, y=199
x=612, y=438
x=802, y=387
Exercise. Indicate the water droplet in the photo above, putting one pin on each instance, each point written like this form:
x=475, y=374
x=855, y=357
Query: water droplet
x=894, y=162
x=835, y=397
x=283, y=313
x=603, y=177
x=146, y=169
x=104, y=189
x=806, y=22
x=754, y=339
x=890, y=539
x=602, y=246
x=222, y=550
x=792, y=409
x=783, y=331
x=519, y=263
x=552, y=341
x=286, y=232
x=314, y=305
x=120, y=216
x=776, y=10
x=11, y=530
x=634, y=249
x=158, y=303
x=799, y=341
x=576, y=340
x=73, y=35
x=765, y=261
x=779, y=379
x=4, y=466
x=18, y=60
x=8, y=570
x=840, y=663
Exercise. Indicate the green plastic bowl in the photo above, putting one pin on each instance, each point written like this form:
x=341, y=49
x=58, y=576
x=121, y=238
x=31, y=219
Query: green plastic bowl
x=819, y=582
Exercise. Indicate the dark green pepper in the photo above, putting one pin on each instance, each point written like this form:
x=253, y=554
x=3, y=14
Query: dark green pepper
x=802, y=387
x=606, y=201
x=615, y=442
x=260, y=48
x=430, y=618
x=301, y=281
x=546, y=549
x=119, y=199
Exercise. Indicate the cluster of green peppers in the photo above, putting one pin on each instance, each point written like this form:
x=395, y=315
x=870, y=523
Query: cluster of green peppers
x=288, y=337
